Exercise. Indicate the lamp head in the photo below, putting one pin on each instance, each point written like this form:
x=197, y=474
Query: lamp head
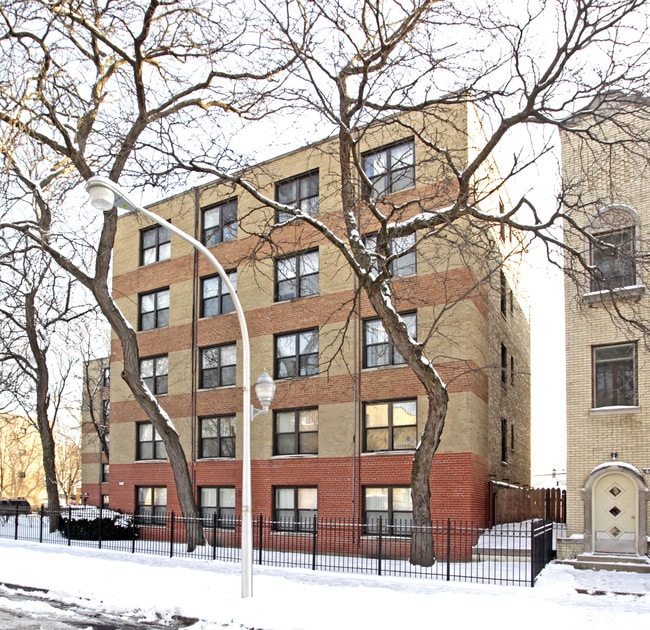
x=101, y=196
x=265, y=389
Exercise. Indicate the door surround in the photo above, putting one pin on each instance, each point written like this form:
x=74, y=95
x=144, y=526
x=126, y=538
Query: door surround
x=643, y=494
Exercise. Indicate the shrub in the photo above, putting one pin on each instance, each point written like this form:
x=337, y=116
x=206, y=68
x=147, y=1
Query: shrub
x=113, y=526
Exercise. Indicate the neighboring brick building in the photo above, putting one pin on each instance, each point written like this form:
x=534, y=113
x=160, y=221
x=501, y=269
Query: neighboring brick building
x=608, y=375
x=95, y=430
x=339, y=438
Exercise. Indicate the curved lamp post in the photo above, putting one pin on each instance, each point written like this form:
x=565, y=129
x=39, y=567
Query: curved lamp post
x=104, y=194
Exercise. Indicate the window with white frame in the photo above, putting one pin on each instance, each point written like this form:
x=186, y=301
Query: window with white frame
x=217, y=436
x=296, y=276
x=402, y=251
x=215, y=295
x=155, y=245
x=388, y=509
x=151, y=505
x=155, y=373
x=300, y=192
x=377, y=348
x=218, y=366
x=296, y=354
x=612, y=255
x=390, y=426
x=217, y=505
x=219, y=223
x=296, y=432
x=153, y=309
x=614, y=375
x=390, y=169
x=294, y=508
x=149, y=444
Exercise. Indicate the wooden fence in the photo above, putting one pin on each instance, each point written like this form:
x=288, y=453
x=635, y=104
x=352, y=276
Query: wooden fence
x=511, y=504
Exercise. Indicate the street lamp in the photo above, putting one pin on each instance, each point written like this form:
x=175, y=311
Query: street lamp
x=104, y=194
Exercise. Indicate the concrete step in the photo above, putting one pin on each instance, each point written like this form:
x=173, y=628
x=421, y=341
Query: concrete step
x=610, y=562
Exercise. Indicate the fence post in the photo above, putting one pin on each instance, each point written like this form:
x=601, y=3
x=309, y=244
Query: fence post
x=135, y=532
x=313, y=542
x=40, y=533
x=171, y=536
x=260, y=539
x=448, y=549
x=69, y=525
x=379, y=544
x=214, y=535
x=16, y=525
x=99, y=535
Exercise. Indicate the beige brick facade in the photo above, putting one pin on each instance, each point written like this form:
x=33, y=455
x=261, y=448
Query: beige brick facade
x=466, y=347
x=605, y=441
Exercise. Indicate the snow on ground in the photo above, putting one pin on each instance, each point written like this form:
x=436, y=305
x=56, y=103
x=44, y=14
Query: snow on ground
x=149, y=587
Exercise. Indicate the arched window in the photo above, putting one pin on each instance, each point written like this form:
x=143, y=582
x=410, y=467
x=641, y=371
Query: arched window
x=612, y=249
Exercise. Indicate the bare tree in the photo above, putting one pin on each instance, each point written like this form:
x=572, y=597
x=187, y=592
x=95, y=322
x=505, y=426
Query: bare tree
x=38, y=313
x=515, y=65
x=68, y=457
x=152, y=101
x=110, y=88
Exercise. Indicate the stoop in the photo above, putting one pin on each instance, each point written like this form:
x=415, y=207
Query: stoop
x=610, y=562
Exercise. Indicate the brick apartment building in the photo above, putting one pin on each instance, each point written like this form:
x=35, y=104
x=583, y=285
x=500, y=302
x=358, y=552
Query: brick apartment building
x=608, y=373
x=339, y=438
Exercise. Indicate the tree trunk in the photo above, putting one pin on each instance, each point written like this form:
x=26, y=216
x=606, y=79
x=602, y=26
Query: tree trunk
x=42, y=417
x=422, y=547
x=157, y=416
x=380, y=296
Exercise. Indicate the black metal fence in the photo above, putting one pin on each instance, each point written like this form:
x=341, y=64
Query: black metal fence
x=510, y=553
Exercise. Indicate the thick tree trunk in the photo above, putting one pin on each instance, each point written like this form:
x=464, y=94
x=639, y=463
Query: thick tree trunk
x=42, y=417
x=422, y=548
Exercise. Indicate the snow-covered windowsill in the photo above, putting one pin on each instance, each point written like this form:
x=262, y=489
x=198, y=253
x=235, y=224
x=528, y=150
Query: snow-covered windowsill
x=623, y=293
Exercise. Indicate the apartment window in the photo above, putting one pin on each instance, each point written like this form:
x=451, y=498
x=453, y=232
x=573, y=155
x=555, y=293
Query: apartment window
x=296, y=276
x=296, y=354
x=155, y=245
x=614, y=375
x=294, y=509
x=377, y=348
x=217, y=436
x=390, y=168
x=612, y=255
x=219, y=504
x=218, y=366
x=504, y=441
x=512, y=371
x=220, y=223
x=105, y=473
x=105, y=501
x=296, y=432
x=389, y=508
x=155, y=373
x=390, y=426
x=300, y=192
x=503, y=293
x=154, y=310
x=504, y=366
x=151, y=505
x=401, y=249
x=106, y=409
x=149, y=444
x=215, y=296
x=106, y=377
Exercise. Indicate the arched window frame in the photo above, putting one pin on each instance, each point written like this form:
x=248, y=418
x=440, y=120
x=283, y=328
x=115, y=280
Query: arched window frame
x=610, y=220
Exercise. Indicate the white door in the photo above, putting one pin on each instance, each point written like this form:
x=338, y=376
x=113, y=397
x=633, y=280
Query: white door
x=615, y=515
